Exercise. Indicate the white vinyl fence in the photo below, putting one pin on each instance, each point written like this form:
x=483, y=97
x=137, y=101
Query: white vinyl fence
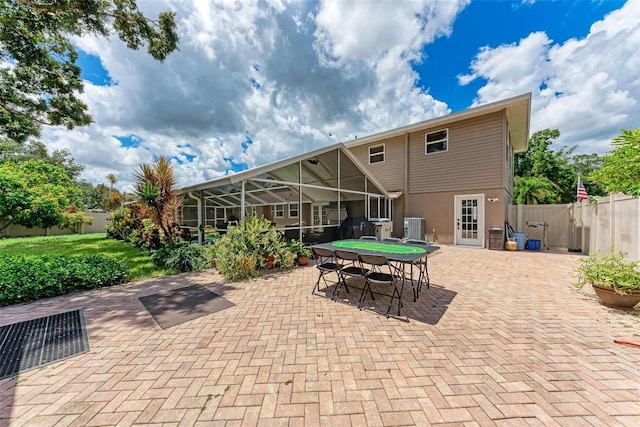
x=594, y=225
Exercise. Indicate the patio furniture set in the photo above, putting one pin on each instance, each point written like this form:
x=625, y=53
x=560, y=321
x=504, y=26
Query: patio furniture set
x=385, y=267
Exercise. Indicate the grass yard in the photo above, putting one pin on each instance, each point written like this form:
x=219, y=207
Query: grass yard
x=140, y=264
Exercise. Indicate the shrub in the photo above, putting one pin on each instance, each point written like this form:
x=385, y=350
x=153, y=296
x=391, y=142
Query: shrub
x=26, y=279
x=74, y=221
x=610, y=270
x=239, y=253
x=182, y=256
x=122, y=223
x=147, y=237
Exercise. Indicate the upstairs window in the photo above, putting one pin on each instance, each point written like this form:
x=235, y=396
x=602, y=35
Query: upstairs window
x=376, y=154
x=436, y=142
x=293, y=210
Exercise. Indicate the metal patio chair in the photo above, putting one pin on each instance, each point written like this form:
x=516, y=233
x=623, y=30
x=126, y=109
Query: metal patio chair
x=351, y=267
x=423, y=276
x=378, y=277
x=326, y=263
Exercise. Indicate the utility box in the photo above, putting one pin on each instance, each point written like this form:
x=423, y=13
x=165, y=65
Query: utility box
x=496, y=238
x=383, y=228
x=414, y=228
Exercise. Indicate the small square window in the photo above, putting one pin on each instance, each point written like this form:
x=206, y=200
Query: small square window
x=436, y=142
x=293, y=210
x=278, y=211
x=376, y=154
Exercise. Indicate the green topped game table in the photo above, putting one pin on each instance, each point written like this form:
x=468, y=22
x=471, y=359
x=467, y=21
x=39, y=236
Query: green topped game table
x=405, y=252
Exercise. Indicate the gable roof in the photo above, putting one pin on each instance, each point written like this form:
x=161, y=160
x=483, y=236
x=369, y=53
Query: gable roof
x=272, y=168
x=518, y=110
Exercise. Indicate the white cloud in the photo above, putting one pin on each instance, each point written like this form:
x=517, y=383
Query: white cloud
x=587, y=88
x=256, y=70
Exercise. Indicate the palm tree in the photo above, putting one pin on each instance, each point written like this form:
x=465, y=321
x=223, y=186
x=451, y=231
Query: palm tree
x=154, y=187
x=112, y=179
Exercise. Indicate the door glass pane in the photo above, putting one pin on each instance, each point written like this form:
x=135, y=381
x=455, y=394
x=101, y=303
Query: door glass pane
x=469, y=215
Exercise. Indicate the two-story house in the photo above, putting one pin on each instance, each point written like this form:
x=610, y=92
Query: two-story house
x=455, y=171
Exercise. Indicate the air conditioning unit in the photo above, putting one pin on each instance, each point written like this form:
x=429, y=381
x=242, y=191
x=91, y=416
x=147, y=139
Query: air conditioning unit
x=414, y=228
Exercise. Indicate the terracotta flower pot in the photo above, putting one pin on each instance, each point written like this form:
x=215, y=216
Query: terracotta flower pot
x=303, y=260
x=611, y=298
x=269, y=259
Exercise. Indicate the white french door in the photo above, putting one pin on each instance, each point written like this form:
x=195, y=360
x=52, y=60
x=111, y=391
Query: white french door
x=469, y=220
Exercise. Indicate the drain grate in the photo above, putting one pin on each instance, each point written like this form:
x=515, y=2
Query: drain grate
x=38, y=342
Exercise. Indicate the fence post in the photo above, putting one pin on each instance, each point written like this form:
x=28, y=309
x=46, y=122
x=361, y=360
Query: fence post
x=520, y=224
x=595, y=232
x=612, y=222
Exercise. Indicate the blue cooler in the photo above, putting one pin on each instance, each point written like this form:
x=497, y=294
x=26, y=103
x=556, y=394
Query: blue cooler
x=519, y=238
x=533, y=244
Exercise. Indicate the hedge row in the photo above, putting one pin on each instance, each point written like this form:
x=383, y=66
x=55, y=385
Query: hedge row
x=27, y=279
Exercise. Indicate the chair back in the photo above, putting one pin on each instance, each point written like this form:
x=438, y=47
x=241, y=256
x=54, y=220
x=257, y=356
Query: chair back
x=346, y=255
x=418, y=242
x=374, y=260
x=372, y=238
x=323, y=254
x=391, y=240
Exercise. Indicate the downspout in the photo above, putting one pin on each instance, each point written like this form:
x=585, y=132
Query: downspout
x=406, y=178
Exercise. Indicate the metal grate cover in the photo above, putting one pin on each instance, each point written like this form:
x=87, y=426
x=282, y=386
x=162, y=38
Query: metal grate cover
x=38, y=342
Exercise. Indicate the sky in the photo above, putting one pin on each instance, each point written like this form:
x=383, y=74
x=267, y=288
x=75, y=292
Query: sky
x=255, y=82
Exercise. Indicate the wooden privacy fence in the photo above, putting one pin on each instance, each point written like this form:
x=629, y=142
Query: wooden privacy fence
x=98, y=225
x=594, y=225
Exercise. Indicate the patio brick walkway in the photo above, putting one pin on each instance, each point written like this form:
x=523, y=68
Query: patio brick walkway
x=501, y=338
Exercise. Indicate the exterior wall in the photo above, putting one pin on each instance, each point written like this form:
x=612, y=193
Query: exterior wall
x=438, y=209
x=389, y=173
x=478, y=161
x=474, y=158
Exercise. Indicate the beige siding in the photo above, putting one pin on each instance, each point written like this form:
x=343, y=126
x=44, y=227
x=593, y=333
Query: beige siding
x=439, y=212
x=389, y=173
x=475, y=157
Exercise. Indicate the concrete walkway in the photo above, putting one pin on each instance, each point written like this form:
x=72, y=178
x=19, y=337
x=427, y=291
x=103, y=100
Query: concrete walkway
x=501, y=338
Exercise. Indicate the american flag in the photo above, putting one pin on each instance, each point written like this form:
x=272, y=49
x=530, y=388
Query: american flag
x=582, y=192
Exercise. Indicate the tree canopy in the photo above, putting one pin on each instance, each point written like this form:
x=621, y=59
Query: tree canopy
x=620, y=170
x=546, y=176
x=39, y=77
x=33, y=193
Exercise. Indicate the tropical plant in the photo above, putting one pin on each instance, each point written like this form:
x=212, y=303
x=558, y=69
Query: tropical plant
x=620, y=170
x=122, y=223
x=182, y=256
x=246, y=244
x=154, y=187
x=298, y=248
x=610, y=270
x=533, y=191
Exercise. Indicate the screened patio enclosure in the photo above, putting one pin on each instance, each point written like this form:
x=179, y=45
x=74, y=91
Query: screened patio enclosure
x=306, y=197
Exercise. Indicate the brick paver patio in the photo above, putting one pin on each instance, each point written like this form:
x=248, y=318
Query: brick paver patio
x=501, y=338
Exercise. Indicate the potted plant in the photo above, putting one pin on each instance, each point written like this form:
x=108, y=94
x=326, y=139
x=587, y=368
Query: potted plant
x=615, y=280
x=302, y=252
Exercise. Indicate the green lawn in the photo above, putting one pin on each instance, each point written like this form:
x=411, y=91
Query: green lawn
x=140, y=264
